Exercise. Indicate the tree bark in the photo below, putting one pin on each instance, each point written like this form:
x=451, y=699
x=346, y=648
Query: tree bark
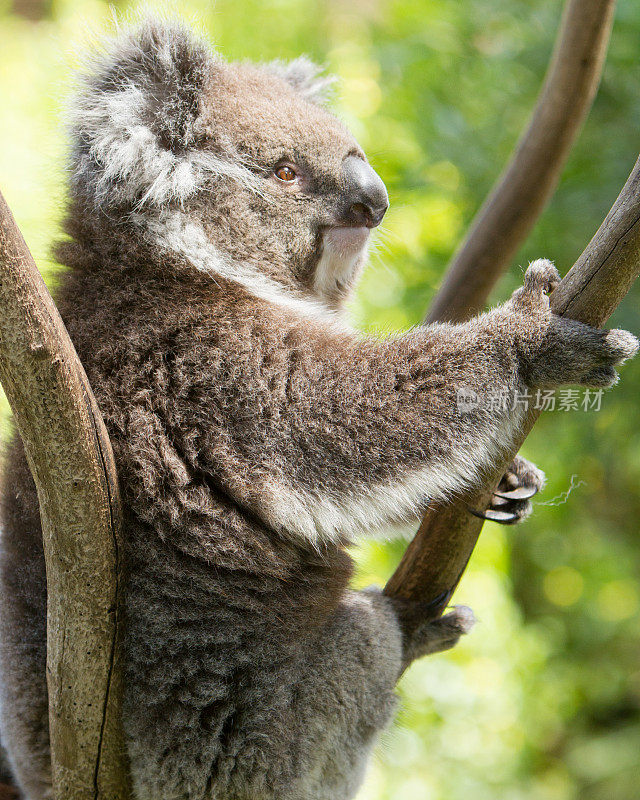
x=521, y=193
x=71, y=461
x=590, y=292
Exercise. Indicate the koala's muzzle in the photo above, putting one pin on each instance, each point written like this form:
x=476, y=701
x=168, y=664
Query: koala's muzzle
x=365, y=194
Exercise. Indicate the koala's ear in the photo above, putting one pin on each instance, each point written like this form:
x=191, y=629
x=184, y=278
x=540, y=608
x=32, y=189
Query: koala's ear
x=133, y=118
x=306, y=78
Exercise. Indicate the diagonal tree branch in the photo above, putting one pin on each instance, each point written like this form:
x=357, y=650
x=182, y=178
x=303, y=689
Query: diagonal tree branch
x=590, y=292
x=521, y=193
x=437, y=556
x=71, y=460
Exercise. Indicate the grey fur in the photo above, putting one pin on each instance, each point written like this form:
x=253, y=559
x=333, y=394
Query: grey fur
x=306, y=77
x=254, y=431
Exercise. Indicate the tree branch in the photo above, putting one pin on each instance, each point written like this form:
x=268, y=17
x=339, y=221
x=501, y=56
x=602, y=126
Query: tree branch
x=521, y=193
x=590, y=292
x=71, y=461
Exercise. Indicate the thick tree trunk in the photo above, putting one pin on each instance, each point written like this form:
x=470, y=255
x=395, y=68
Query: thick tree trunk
x=71, y=461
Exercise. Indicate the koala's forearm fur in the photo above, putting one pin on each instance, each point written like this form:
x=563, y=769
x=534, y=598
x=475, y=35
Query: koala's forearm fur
x=274, y=410
x=283, y=408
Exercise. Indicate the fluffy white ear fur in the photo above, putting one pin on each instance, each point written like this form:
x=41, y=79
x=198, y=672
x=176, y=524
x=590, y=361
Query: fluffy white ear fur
x=133, y=120
x=306, y=78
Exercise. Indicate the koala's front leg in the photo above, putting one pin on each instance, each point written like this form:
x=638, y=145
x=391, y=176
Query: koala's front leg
x=348, y=434
x=566, y=351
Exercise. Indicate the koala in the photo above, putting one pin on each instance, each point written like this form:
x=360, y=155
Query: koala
x=218, y=220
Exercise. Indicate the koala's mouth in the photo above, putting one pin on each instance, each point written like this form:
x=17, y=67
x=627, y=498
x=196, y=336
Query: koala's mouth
x=345, y=241
x=343, y=249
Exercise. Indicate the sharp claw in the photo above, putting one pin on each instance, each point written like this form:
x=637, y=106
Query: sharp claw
x=521, y=493
x=440, y=601
x=498, y=501
x=494, y=515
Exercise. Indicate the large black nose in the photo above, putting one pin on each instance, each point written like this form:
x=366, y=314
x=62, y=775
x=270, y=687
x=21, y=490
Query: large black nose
x=366, y=195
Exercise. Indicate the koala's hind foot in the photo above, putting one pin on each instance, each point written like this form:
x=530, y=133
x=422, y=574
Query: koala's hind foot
x=433, y=635
x=511, y=501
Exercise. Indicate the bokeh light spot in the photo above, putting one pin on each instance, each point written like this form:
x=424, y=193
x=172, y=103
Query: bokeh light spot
x=618, y=600
x=563, y=586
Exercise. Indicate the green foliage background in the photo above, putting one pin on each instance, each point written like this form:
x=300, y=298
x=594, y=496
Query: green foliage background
x=542, y=701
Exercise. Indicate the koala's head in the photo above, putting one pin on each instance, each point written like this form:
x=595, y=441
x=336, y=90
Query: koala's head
x=237, y=167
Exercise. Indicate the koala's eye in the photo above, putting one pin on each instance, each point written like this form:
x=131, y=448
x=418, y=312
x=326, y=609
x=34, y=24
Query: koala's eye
x=285, y=173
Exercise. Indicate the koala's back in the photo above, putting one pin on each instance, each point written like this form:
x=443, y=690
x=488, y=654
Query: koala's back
x=223, y=697
x=23, y=608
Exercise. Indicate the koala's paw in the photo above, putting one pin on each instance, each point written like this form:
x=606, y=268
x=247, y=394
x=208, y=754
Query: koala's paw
x=540, y=279
x=511, y=501
x=555, y=350
x=440, y=634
